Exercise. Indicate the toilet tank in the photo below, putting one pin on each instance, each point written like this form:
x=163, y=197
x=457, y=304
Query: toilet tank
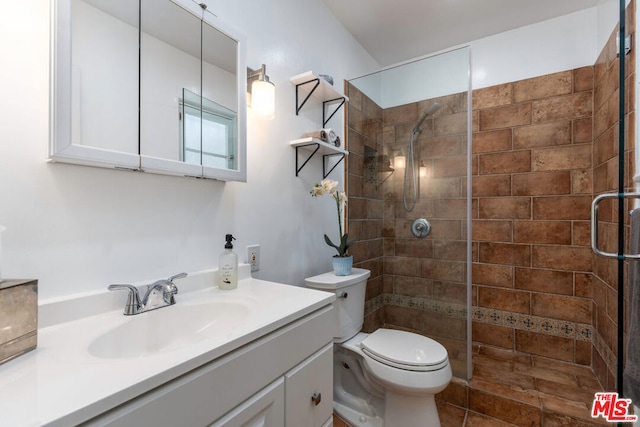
x=349, y=304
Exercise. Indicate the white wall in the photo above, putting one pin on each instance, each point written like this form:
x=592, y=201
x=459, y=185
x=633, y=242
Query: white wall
x=558, y=44
x=78, y=229
x=570, y=41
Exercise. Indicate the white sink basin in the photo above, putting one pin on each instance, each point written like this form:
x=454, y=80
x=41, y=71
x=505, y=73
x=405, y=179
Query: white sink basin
x=173, y=327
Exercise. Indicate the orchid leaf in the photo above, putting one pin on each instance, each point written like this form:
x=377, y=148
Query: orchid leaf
x=330, y=243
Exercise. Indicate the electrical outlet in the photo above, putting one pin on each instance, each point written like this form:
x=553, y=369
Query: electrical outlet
x=253, y=257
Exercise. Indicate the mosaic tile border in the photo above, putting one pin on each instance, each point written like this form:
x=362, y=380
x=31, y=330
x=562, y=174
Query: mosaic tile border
x=524, y=322
x=541, y=325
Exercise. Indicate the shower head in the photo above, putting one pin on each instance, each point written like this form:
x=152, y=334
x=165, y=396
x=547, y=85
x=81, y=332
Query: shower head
x=430, y=110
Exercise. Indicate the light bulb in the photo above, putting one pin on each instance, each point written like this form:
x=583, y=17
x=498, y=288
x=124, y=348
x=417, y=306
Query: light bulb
x=263, y=99
x=399, y=162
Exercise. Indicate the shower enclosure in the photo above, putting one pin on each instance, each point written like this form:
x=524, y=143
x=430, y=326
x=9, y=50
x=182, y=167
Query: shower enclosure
x=409, y=198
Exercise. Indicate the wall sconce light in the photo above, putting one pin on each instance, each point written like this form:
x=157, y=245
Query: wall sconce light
x=422, y=170
x=262, y=93
x=399, y=161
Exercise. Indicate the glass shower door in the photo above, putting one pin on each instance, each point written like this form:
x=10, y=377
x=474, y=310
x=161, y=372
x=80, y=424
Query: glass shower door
x=409, y=167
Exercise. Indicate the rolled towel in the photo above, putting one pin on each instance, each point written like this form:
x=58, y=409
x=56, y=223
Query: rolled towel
x=327, y=135
x=337, y=141
x=318, y=134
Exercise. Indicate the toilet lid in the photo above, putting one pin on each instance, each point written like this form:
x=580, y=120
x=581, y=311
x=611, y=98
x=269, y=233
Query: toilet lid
x=405, y=350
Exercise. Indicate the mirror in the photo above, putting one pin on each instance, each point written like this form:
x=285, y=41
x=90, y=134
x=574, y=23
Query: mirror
x=158, y=88
x=170, y=46
x=95, y=83
x=220, y=86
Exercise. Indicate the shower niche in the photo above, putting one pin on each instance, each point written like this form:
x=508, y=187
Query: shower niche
x=377, y=167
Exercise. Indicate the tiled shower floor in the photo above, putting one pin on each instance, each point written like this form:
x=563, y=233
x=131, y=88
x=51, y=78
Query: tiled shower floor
x=512, y=389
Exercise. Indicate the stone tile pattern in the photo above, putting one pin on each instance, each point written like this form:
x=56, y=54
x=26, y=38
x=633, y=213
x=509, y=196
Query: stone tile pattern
x=605, y=179
x=542, y=148
x=365, y=206
x=434, y=268
x=516, y=389
x=532, y=191
x=542, y=325
x=532, y=186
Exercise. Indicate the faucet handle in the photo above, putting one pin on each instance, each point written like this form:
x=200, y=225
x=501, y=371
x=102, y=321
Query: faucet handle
x=133, y=304
x=172, y=289
x=177, y=276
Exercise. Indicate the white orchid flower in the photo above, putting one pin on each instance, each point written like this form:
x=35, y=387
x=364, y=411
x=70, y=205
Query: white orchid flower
x=317, y=191
x=342, y=197
x=330, y=186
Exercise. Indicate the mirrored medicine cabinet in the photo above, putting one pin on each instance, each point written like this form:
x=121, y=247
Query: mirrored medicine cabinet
x=151, y=85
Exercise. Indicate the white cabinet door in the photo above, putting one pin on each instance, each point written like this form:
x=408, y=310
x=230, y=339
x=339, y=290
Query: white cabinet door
x=309, y=390
x=264, y=409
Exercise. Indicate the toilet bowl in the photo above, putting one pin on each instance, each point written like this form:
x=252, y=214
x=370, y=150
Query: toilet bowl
x=387, y=378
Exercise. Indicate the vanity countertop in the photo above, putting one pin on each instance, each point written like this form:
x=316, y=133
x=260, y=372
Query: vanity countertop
x=62, y=383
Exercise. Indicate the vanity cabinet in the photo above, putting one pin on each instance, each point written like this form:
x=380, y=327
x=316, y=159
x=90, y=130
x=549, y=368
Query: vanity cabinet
x=265, y=408
x=281, y=379
x=309, y=390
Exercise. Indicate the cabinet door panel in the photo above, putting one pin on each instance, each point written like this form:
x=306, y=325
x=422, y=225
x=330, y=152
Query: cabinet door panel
x=313, y=378
x=264, y=409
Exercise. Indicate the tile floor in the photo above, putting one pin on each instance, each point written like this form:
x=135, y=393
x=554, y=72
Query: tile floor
x=514, y=389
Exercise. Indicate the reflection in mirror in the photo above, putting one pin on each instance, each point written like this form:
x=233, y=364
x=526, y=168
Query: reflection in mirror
x=220, y=99
x=104, y=74
x=169, y=62
x=208, y=132
x=184, y=58
x=190, y=122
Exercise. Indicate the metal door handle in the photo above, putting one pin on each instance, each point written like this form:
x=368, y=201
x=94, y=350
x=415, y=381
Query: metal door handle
x=594, y=224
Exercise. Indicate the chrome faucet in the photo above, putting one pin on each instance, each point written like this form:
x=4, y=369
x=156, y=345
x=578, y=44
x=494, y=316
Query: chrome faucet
x=156, y=295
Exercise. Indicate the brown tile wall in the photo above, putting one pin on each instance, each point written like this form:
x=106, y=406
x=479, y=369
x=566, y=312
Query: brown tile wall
x=532, y=186
x=542, y=147
x=435, y=267
x=365, y=206
x=605, y=153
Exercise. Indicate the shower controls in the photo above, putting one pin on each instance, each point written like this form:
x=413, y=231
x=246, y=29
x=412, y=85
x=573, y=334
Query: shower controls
x=421, y=228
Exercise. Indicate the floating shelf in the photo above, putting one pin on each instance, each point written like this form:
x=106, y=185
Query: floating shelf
x=317, y=146
x=319, y=88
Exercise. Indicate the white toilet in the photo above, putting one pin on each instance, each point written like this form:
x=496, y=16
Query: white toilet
x=386, y=378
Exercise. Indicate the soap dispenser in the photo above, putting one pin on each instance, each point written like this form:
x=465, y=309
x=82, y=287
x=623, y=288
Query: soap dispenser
x=228, y=266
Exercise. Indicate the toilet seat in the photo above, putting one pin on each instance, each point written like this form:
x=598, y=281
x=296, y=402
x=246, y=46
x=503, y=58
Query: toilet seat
x=405, y=350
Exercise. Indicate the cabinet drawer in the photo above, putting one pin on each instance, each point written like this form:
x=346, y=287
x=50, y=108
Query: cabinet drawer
x=309, y=390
